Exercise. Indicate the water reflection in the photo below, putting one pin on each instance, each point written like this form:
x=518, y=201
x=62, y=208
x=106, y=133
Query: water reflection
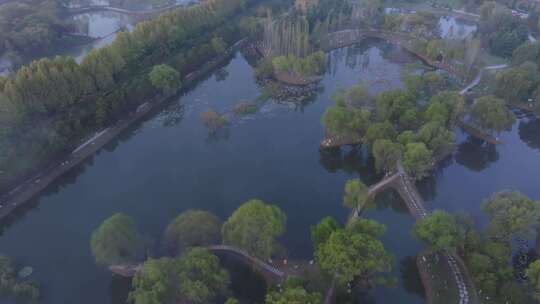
x=410, y=276
x=352, y=160
x=528, y=132
x=247, y=285
x=120, y=288
x=453, y=28
x=476, y=154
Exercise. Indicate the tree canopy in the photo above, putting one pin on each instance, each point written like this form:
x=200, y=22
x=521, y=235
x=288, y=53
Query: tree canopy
x=253, y=227
x=533, y=275
x=195, y=277
x=293, y=295
x=490, y=113
x=386, y=154
x=356, y=194
x=418, y=160
x=322, y=231
x=354, y=251
x=165, y=78
x=192, y=228
x=511, y=213
x=441, y=231
x=116, y=240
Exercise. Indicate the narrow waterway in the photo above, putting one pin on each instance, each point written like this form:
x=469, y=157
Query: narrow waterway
x=170, y=163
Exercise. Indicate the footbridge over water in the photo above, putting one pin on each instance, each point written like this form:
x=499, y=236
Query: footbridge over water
x=97, y=8
x=348, y=37
x=406, y=188
x=272, y=272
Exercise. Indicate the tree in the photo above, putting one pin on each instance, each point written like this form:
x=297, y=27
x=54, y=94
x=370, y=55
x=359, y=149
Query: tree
x=513, y=84
x=441, y=231
x=165, y=78
x=511, y=213
x=533, y=275
x=392, y=104
x=322, y=231
x=253, y=227
x=192, y=228
x=354, y=252
x=356, y=194
x=290, y=295
x=377, y=131
x=232, y=301
x=386, y=154
x=115, y=241
x=218, y=45
x=490, y=113
x=418, y=160
x=437, y=138
x=196, y=277
x=455, y=107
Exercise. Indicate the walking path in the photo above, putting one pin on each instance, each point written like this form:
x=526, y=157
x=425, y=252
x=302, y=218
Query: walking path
x=406, y=188
x=92, y=8
x=273, y=272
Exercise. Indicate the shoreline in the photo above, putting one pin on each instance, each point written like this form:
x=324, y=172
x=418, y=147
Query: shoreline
x=25, y=191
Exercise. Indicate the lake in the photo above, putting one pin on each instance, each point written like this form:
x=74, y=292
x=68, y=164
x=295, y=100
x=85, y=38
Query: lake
x=169, y=163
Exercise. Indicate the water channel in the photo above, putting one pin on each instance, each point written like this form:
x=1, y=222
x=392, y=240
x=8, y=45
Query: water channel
x=170, y=163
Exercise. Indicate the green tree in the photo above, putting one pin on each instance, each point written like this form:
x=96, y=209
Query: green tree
x=392, y=104
x=253, y=227
x=418, y=160
x=192, y=228
x=377, y=131
x=115, y=241
x=322, y=231
x=441, y=231
x=454, y=104
x=218, y=45
x=386, y=154
x=195, y=277
x=293, y=295
x=513, y=84
x=355, y=252
x=533, y=275
x=490, y=113
x=511, y=213
x=165, y=78
x=232, y=301
x=356, y=194
x=437, y=138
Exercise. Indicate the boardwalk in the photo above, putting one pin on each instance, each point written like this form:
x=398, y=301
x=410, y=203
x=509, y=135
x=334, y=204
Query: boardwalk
x=93, y=8
x=275, y=272
x=347, y=37
x=406, y=188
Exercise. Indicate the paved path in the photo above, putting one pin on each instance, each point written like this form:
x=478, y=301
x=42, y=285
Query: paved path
x=478, y=77
x=406, y=188
x=92, y=8
x=272, y=273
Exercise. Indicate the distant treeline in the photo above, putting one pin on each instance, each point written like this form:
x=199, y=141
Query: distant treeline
x=32, y=26
x=50, y=104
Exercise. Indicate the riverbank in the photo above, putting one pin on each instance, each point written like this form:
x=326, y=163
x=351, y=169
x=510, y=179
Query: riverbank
x=24, y=192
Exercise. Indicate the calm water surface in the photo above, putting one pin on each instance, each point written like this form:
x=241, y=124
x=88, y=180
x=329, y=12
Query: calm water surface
x=169, y=163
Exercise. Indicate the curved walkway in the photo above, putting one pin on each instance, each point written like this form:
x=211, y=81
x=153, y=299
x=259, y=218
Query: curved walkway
x=130, y=270
x=93, y=8
x=406, y=188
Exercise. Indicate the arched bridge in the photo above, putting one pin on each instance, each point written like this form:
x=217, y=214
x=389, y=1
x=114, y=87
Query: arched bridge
x=273, y=273
x=347, y=37
x=96, y=8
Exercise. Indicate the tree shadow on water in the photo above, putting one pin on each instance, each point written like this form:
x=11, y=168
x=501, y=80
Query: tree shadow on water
x=410, y=276
x=528, y=132
x=351, y=161
x=475, y=154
